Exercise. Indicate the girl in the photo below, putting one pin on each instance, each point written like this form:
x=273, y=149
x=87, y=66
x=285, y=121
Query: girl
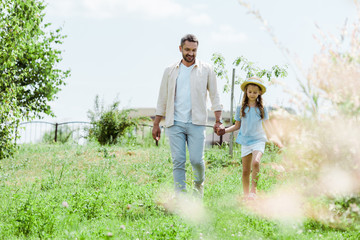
x=250, y=119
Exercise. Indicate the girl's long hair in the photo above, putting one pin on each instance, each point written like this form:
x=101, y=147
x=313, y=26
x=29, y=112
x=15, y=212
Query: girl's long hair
x=245, y=102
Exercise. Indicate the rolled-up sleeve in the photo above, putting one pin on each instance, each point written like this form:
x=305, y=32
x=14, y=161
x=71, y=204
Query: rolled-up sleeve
x=213, y=91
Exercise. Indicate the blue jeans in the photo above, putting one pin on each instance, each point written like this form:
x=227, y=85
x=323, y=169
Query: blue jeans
x=194, y=135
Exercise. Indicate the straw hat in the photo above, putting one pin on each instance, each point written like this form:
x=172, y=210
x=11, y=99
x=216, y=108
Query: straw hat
x=254, y=80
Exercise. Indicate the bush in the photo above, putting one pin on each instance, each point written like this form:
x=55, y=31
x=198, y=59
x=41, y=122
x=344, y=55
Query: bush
x=109, y=126
x=112, y=126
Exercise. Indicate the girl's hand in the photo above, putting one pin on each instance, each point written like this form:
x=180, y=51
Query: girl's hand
x=277, y=142
x=279, y=145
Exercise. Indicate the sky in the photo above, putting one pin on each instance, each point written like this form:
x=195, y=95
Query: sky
x=118, y=49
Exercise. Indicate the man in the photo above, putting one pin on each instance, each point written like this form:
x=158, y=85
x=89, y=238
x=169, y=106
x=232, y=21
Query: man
x=182, y=100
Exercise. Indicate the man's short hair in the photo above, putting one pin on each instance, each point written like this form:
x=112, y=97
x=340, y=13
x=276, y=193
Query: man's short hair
x=190, y=38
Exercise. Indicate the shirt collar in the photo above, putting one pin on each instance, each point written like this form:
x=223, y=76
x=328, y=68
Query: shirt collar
x=196, y=64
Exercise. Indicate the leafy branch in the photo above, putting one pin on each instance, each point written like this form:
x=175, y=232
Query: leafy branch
x=248, y=68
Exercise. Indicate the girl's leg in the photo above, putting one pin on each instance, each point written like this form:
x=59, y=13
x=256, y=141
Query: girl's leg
x=246, y=164
x=255, y=164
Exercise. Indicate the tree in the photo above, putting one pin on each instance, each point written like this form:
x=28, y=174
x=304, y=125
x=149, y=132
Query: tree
x=247, y=69
x=9, y=120
x=29, y=77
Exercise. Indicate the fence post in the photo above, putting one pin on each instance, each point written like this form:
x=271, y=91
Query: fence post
x=213, y=139
x=143, y=130
x=56, y=129
x=16, y=131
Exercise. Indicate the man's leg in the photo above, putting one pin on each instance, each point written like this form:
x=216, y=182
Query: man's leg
x=177, y=139
x=196, y=145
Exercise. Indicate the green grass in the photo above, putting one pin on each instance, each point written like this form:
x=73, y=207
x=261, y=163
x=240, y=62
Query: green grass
x=55, y=191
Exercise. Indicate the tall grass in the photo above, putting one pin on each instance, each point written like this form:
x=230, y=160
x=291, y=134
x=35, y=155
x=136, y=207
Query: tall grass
x=61, y=191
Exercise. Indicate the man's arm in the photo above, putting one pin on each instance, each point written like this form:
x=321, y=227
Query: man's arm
x=214, y=98
x=161, y=106
x=163, y=95
x=213, y=93
x=218, y=122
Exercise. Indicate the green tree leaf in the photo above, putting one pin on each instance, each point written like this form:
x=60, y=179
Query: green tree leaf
x=29, y=76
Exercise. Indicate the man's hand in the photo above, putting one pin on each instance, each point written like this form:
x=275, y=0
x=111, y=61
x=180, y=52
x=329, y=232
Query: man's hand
x=156, y=132
x=216, y=126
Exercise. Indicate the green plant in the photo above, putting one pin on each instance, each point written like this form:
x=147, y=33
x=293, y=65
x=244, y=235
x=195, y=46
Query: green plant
x=9, y=123
x=248, y=69
x=61, y=191
x=109, y=126
x=218, y=157
x=29, y=78
x=29, y=56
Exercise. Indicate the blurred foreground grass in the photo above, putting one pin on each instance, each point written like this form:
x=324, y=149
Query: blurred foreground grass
x=57, y=191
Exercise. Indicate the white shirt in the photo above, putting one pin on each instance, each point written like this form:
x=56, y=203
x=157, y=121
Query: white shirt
x=202, y=82
x=182, y=110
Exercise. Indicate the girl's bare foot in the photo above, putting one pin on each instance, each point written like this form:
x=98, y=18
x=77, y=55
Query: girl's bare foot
x=251, y=196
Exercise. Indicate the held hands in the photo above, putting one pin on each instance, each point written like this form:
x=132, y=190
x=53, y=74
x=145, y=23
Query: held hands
x=219, y=129
x=216, y=126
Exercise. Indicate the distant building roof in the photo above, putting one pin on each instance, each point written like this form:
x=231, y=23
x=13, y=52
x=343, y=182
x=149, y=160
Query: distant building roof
x=143, y=112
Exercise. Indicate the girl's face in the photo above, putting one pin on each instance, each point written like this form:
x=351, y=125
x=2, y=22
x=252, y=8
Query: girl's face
x=252, y=92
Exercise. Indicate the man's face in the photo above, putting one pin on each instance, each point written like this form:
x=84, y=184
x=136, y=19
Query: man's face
x=188, y=51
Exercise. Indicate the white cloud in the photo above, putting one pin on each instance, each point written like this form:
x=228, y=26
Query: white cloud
x=63, y=8
x=199, y=19
x=154, y=8
x=115, y=8
x=228, y=34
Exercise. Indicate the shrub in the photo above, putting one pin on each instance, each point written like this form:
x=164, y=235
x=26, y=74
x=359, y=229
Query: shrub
x=109, y=126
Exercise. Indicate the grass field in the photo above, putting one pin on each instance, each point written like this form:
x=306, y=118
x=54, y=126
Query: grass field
x=60, y=191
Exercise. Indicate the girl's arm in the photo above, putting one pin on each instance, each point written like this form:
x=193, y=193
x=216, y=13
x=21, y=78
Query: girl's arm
x=271, y=135
x=236, y=126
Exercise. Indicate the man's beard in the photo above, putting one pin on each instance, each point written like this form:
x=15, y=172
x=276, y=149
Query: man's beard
x=186, y=58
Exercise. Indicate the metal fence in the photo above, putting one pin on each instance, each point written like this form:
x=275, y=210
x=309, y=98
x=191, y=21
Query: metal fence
x=41, y=131
x=76, y=131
